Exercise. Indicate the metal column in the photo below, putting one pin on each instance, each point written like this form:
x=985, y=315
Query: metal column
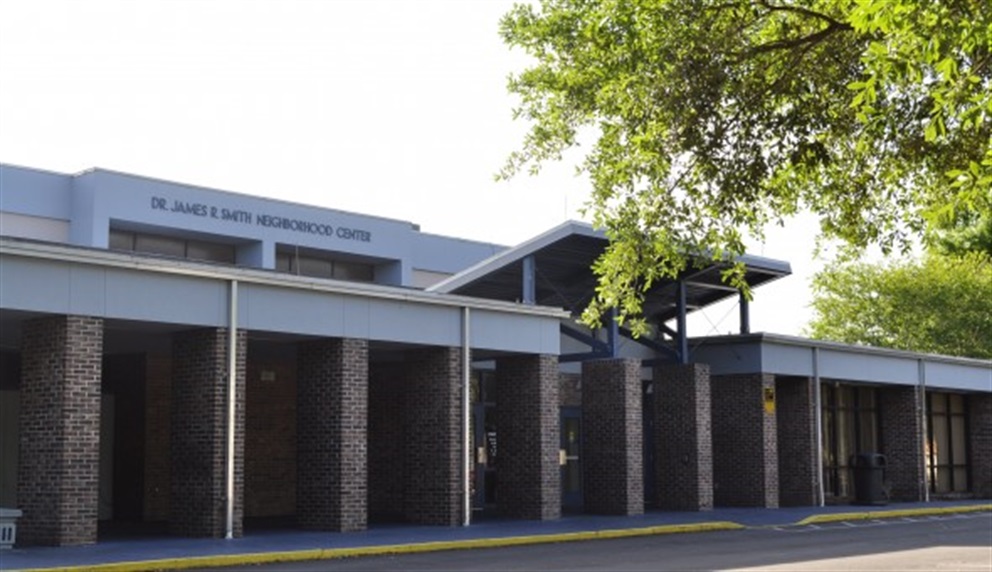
x=232, y=385
x=528, y=293
x=745, y=314
x=683, y=338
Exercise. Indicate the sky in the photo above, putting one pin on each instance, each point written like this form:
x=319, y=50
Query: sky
x=395, y=108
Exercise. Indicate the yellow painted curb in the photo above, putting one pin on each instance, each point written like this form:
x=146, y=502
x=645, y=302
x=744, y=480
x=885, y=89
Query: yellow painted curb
x=332, y=553
x=894, y=513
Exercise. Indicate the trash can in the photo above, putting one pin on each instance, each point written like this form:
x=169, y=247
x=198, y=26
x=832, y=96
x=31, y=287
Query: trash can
x=869, y=470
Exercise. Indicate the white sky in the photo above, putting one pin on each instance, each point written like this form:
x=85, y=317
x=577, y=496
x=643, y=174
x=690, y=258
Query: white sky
x=392, y=108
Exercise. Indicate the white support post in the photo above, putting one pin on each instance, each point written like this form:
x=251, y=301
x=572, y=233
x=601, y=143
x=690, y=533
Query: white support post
x=821, y=492
x=466, y=419
x=232, y=384
x=921, y=403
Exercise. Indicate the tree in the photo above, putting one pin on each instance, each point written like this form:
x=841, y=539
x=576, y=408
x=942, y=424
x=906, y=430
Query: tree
x=970, y=234
x=713, y=118
x=942, y=304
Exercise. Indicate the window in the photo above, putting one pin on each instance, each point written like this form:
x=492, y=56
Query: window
x=321, y=265
x=947, y=450
x=172, y=246
x=850, y=426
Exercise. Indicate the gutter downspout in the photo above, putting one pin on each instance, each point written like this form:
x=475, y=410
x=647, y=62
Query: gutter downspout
x=232, y=378
x=466, y=419
x=922, y=404
x=821, y=493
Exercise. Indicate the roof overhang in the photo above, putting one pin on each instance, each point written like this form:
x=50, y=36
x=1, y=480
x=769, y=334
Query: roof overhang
x=563, y=259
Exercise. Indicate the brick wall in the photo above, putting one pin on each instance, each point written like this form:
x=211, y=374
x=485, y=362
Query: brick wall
x=612, y=456
x=387, y=405
x=270, y=439
x=796, y=413
x=199, y=433
x=158, y=397
x=432, y=456
x=980, y=443
x=59, y=431
x=745, y=441
x=683, y=442
x=527, y=414
x=332, y=422
x=901, y=442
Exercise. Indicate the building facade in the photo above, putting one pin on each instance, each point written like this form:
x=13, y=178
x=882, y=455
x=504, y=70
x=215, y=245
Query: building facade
x=202, y=362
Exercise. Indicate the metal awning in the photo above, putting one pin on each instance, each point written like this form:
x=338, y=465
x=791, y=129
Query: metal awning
x=562, y=260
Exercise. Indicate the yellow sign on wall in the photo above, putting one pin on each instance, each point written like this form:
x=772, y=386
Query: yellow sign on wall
x=769, y=395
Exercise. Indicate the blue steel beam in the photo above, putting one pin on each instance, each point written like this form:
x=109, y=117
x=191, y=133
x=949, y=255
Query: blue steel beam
x=651, y=344
x=745, y=315
x=683, y=339
x=529, y=286
x=596, y=344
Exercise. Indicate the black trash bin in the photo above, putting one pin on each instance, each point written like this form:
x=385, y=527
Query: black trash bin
x=869, y=471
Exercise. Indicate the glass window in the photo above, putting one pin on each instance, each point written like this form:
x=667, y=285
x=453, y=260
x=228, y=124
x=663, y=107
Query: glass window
x=957, y=404
x=315, y=267
x=947, y=448
x=172, y=246
x=155, y=244
x=121, y=240
x=211, y=251
x=938, y=403
x=850, y=426
x=353, y=271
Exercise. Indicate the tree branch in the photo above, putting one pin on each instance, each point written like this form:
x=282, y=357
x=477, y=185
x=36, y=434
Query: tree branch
x=811, y=39
x=805, y=12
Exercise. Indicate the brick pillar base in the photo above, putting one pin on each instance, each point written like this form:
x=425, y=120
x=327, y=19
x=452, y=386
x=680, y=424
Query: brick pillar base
x=745, y=444
x=527, y=419
x=198, y=444
x=980, y=443
x=796, y=412
x=332, y=428
x=59, y=425
x=902, y=445
x=432, y=428
x=612, y=440
x=683, y=442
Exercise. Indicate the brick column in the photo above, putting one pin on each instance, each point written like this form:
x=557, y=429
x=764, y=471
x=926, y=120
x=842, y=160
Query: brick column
x=332, y=431
x=612, y=440
x=528, y=425
x=432, y=427
x=683, y=442
x=59, y=427
x=198, y=443
x=980, y=443
x=798, y=480
x=745, y=443
x=901, y=442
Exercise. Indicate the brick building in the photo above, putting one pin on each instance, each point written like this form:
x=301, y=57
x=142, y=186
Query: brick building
x=199, y=362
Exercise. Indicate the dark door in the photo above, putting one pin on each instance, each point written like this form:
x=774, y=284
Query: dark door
x=484, y=458
x=571, y=462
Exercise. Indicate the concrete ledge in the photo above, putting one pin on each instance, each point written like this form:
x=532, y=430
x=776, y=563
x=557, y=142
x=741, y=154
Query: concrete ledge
x=893, y=513
x=384, y=550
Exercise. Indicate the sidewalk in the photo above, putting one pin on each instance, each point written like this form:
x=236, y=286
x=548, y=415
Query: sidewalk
x=288, y=545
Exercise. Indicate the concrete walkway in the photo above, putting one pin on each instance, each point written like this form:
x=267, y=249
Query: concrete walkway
x=163, y=553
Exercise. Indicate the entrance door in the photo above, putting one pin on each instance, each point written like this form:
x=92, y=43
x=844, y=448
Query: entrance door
x=571, y=464
x=484, y=440
x=647, y=413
